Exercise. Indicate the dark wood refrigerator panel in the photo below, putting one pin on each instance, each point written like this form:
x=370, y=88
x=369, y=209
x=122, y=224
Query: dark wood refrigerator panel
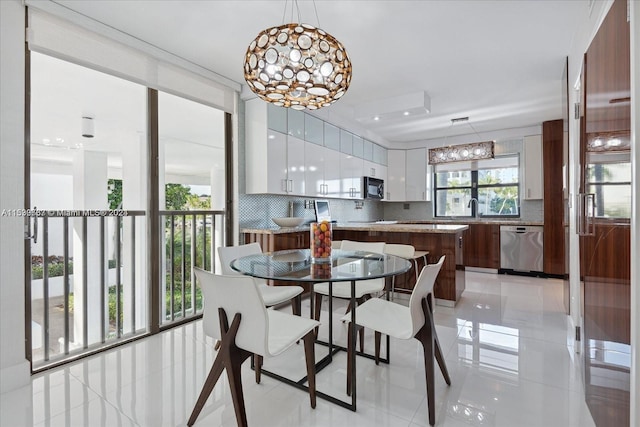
x=605, y=237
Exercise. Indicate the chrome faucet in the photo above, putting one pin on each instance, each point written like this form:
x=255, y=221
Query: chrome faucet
x=473, y=199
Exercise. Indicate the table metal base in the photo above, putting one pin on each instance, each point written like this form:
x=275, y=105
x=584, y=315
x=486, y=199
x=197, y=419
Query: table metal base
x=333, y=349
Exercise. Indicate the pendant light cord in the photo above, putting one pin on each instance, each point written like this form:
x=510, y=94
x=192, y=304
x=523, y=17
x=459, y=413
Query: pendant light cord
x=294, y=5
x=474, y=129
x=316, y=10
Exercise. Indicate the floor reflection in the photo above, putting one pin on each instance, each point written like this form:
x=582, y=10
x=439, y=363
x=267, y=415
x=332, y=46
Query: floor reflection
x=505, y=345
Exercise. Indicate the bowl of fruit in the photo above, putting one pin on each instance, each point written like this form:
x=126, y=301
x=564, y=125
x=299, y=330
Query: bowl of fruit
x=320, y=239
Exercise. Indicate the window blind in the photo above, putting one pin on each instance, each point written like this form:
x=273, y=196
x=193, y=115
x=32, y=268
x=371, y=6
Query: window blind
x=62, y=33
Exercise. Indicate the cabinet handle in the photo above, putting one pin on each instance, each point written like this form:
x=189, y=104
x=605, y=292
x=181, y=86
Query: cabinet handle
x=528, y=192
x=373, y=171
x=586, y=214
x=423, y=196
x=289, y=185
x=283, y=185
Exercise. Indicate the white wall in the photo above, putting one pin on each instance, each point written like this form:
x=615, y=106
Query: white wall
x=14, y=368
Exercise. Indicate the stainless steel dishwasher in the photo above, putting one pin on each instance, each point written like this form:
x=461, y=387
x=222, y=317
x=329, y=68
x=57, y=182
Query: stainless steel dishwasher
x=521, y=248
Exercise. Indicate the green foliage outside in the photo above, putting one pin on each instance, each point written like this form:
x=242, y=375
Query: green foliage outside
x=176, y=196
x=505, y=198
x=114, y=194
x=177, y=263
x=57, y=269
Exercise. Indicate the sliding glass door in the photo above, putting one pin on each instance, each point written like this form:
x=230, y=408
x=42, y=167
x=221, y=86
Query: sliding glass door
x=88, y=224
x=99, y=271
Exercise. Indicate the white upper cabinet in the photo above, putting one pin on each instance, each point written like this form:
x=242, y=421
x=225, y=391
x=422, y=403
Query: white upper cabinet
x=274, y=160
x=367, y=150
x=277, y=181
x=533, y=173
x=313, y=129
x=408, y=177
x=396, y=170
x=350, y=166
x=331, y=137
x=322, y=175
x=290, y=152
x=416, y=174
x=295, y=122
x=277, y=118
x=296, y=166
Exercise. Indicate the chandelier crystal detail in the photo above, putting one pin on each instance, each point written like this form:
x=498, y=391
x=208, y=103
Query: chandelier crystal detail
x=297, y=66
x=463, y=152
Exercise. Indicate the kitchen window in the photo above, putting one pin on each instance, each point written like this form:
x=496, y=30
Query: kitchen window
x=487, y=188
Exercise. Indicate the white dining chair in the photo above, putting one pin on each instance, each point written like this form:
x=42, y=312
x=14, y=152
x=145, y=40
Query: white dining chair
x=401, y=322
x=272, y=295
x=235, y=314
x=364, y=288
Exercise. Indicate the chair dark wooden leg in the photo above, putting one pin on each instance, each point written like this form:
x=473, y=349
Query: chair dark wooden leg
x=296, y=305
x=207, y=388
x=438, y=349
x=310, y=356
x=361, y=332
x=378, y=336
x=229, y=357
x=234, y=374
x=257, y=366
x=425, y=336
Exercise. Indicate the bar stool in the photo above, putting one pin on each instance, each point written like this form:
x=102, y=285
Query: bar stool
x=407, y=252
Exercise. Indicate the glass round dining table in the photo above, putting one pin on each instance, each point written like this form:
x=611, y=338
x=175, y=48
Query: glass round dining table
x=343, y=266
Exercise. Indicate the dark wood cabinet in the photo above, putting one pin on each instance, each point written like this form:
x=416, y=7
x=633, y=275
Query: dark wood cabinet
x=270, y=242
x=553, y=142
x=482, y=246
x=279, y=241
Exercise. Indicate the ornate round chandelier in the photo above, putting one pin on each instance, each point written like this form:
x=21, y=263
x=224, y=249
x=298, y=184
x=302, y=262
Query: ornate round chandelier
x=297, y=66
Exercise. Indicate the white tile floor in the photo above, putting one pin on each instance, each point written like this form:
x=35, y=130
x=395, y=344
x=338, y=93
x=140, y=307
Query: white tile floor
x=505, y=345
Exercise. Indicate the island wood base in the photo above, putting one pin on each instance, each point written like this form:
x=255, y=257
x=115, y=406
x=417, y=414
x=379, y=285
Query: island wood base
x=451, y=280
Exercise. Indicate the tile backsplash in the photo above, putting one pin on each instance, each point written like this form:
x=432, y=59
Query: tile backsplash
x=256, y=210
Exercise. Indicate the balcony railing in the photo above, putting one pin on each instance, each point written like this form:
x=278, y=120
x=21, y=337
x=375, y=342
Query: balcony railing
x=190, y=240
x=89, y=277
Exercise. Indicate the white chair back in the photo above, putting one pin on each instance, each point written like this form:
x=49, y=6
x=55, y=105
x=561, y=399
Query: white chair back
x=423, y=287
x=235, y=294
x=402, y=251
x=375, y=247
x=230, y=253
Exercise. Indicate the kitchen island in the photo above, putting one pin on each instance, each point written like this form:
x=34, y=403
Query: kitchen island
x=437, y=239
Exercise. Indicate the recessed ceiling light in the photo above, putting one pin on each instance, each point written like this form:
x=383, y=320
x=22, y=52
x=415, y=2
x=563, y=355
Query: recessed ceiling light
x=406, y=113
x=376, y=118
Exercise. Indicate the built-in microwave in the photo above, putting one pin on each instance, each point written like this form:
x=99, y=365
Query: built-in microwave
x=373, y=188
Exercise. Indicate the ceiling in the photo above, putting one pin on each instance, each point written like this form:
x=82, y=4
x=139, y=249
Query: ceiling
x=498, y=62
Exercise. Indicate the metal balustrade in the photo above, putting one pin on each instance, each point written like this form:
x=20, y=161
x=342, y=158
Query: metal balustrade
x=98, y=295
